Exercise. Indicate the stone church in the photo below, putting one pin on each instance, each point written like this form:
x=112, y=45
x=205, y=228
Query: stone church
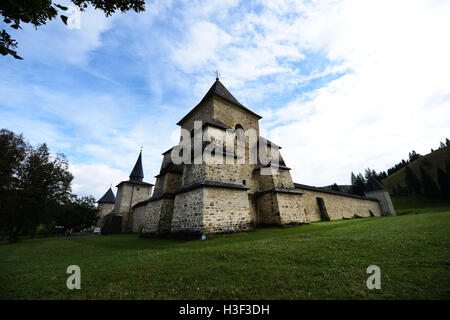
x=204, y=195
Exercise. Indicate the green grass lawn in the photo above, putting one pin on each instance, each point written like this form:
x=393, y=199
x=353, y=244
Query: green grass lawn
x=413, y=205
x=324, y=260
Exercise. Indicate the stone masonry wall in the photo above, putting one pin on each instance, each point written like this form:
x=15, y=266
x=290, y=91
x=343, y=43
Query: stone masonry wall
x=193, y=173
x=291, y=208
x=226, y=210
x=280, y=178
x=128, y=195
x=267, y=213
x=103, y=210
x=281, y=208
x=159, y=185
x=158, y=216
x=204, y=113
x=386, y=206
x=188, y=211
x=338, y=207
x=140, y=215
x=172, y=182
x=283, y=179
x=231, y=116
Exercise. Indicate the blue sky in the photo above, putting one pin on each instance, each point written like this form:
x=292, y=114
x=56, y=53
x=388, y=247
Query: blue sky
x=341, y=85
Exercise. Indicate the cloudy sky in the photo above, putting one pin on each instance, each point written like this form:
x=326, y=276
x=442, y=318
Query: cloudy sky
x=341, y=85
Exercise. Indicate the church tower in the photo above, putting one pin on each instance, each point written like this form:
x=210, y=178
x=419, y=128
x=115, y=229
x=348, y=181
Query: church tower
x=105, y=206
x=224, y=191
x=131, y=192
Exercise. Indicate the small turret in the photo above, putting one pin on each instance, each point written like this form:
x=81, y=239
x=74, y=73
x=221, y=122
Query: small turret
x=375, y=189
x=131, y=192
x=105, y=206
x=108, y=197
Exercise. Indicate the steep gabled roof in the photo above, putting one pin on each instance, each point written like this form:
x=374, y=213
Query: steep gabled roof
x=219, y=90
x=108, y=197
x=266, y=141
x=138, y=172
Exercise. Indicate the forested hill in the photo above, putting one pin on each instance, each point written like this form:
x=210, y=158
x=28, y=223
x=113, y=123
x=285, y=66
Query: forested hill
x=420, y=169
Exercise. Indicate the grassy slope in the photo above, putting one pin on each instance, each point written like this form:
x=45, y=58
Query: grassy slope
x=324, y=260
x=429, y=162
x=410, y=205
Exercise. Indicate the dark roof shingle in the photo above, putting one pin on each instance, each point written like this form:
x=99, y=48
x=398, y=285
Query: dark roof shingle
x=108, y=197
x=219, y=90
x=138, y=172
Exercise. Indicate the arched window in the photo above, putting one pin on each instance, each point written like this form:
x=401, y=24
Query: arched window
x=239, y=132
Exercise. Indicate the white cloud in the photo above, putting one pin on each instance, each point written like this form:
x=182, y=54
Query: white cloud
x=204, y=40
x=55, y=42
x=395, y=99
x=95, y=179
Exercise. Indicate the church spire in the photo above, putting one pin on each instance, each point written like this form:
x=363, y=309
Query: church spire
x=137, y=174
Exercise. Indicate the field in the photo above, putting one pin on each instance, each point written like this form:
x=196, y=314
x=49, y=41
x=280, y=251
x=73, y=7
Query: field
x=324, y=260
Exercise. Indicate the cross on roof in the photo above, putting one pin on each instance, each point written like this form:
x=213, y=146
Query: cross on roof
x=217, y=74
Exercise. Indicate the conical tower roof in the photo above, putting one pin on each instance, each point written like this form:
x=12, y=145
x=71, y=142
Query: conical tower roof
x=108, y=197
x=138, y=173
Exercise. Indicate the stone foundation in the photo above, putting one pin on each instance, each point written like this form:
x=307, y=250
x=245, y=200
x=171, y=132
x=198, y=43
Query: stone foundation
x=278, y=207
x=187, y=212
x=209, y=210
x=226, y=211
x=158, y=216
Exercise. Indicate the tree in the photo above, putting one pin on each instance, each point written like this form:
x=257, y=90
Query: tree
x=358, y=184
x=33, y=184
x=441, y=145
x=444, y=183
x=335, y=187
x=13, y=150
x=447, y=142
x=382, y=175
x=78, y=213
x=39, y=12
x=413, y=155
x=369, y=173
x=44, y=186
x=412, y=182
x=429, y=187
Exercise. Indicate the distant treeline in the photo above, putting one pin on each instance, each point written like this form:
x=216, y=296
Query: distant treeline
x=414, y=184
x=412, y=157
x=421, y=184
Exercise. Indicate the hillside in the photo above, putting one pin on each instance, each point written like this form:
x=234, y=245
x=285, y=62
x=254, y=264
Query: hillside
x=429, y=162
